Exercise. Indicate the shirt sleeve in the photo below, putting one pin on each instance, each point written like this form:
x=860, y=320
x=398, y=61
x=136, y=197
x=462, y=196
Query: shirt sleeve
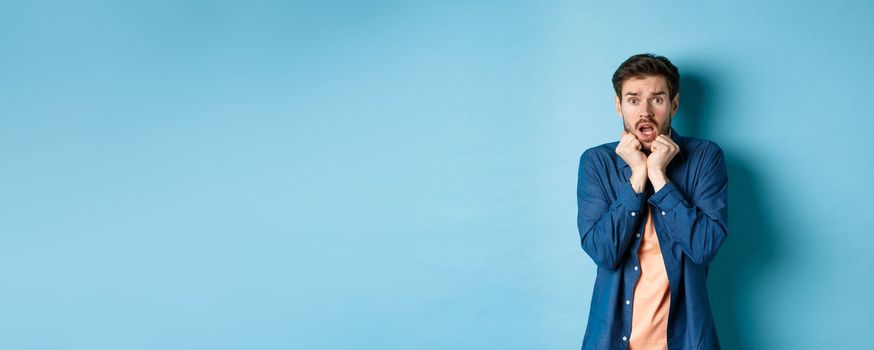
x=606, y=226
x=699, y=227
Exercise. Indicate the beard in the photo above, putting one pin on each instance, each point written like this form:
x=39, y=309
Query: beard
x=647, y=130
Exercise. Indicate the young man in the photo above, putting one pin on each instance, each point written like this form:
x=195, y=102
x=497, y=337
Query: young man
x=652, y=213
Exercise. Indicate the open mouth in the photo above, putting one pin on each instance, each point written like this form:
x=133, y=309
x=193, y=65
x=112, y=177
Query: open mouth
x=647, y=130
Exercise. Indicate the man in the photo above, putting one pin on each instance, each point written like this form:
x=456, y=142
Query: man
x=652, y=213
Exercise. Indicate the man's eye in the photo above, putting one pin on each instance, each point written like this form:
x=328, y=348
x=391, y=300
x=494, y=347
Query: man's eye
x=657, y=100
x=632, y=100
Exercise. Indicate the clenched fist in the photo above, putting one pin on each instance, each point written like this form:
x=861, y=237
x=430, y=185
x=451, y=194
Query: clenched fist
x=663, y=150
x=629, y=149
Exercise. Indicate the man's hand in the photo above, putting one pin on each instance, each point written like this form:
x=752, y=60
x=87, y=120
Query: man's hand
x=663, y=151
x=629, y=150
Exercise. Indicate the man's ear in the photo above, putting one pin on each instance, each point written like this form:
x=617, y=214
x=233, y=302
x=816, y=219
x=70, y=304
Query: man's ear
x=618, y=105
x=675, y=104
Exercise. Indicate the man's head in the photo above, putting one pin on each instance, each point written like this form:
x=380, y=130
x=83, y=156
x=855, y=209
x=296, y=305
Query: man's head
x=647, y=96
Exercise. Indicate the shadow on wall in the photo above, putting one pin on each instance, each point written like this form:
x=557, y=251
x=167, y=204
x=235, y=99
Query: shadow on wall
x=752, y=244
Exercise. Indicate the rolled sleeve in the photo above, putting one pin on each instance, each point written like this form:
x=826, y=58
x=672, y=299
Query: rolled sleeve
x=667, y=197
x=632, y=201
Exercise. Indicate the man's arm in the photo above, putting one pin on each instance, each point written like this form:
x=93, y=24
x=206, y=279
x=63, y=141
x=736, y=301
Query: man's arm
x=699, y=227
x=605, y=227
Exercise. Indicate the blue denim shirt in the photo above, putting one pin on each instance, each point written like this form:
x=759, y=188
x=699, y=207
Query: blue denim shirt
x=691, y=222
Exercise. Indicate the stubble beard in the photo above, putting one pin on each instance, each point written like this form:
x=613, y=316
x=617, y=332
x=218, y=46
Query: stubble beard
x=664, y=129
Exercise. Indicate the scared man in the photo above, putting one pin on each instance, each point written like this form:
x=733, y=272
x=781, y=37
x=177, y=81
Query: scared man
x=652, y=213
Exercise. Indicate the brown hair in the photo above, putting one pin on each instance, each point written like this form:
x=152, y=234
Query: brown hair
x=645, y=65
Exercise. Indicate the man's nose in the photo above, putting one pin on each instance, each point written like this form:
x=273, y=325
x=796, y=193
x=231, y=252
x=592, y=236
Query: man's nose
x=646, y=109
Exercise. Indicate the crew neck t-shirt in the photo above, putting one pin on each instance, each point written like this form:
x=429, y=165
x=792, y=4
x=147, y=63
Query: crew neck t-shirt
x=652, y=295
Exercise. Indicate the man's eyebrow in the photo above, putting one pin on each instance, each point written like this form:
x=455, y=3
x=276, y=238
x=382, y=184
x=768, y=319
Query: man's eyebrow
x=634, y=93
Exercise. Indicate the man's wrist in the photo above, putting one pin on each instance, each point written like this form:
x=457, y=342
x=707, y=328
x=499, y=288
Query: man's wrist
x=638, y=180
x=658, y=180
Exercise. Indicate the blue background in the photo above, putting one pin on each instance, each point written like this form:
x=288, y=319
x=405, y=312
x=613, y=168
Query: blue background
x=401, y=175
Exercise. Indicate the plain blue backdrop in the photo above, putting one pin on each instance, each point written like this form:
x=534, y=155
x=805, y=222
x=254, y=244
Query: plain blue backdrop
x=401, y=175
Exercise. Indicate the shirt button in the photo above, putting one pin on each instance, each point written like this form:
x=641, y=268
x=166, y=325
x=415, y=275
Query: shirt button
x=638, y=235
x=624, y=338
x=633, y=213
x=627, y=302
x=663, y=212
x=636, y=268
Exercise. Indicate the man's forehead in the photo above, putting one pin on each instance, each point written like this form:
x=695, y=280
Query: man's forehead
x=650, y=85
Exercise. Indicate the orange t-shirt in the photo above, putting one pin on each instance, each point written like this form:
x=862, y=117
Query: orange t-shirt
x=652, y=295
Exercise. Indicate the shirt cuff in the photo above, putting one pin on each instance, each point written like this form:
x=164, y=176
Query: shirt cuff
x=630, y=199
x=666, y=197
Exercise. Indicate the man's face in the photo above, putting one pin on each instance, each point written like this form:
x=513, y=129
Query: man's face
x=645, y=109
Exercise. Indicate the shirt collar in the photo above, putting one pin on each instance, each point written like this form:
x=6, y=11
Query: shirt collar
x=678, y=139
